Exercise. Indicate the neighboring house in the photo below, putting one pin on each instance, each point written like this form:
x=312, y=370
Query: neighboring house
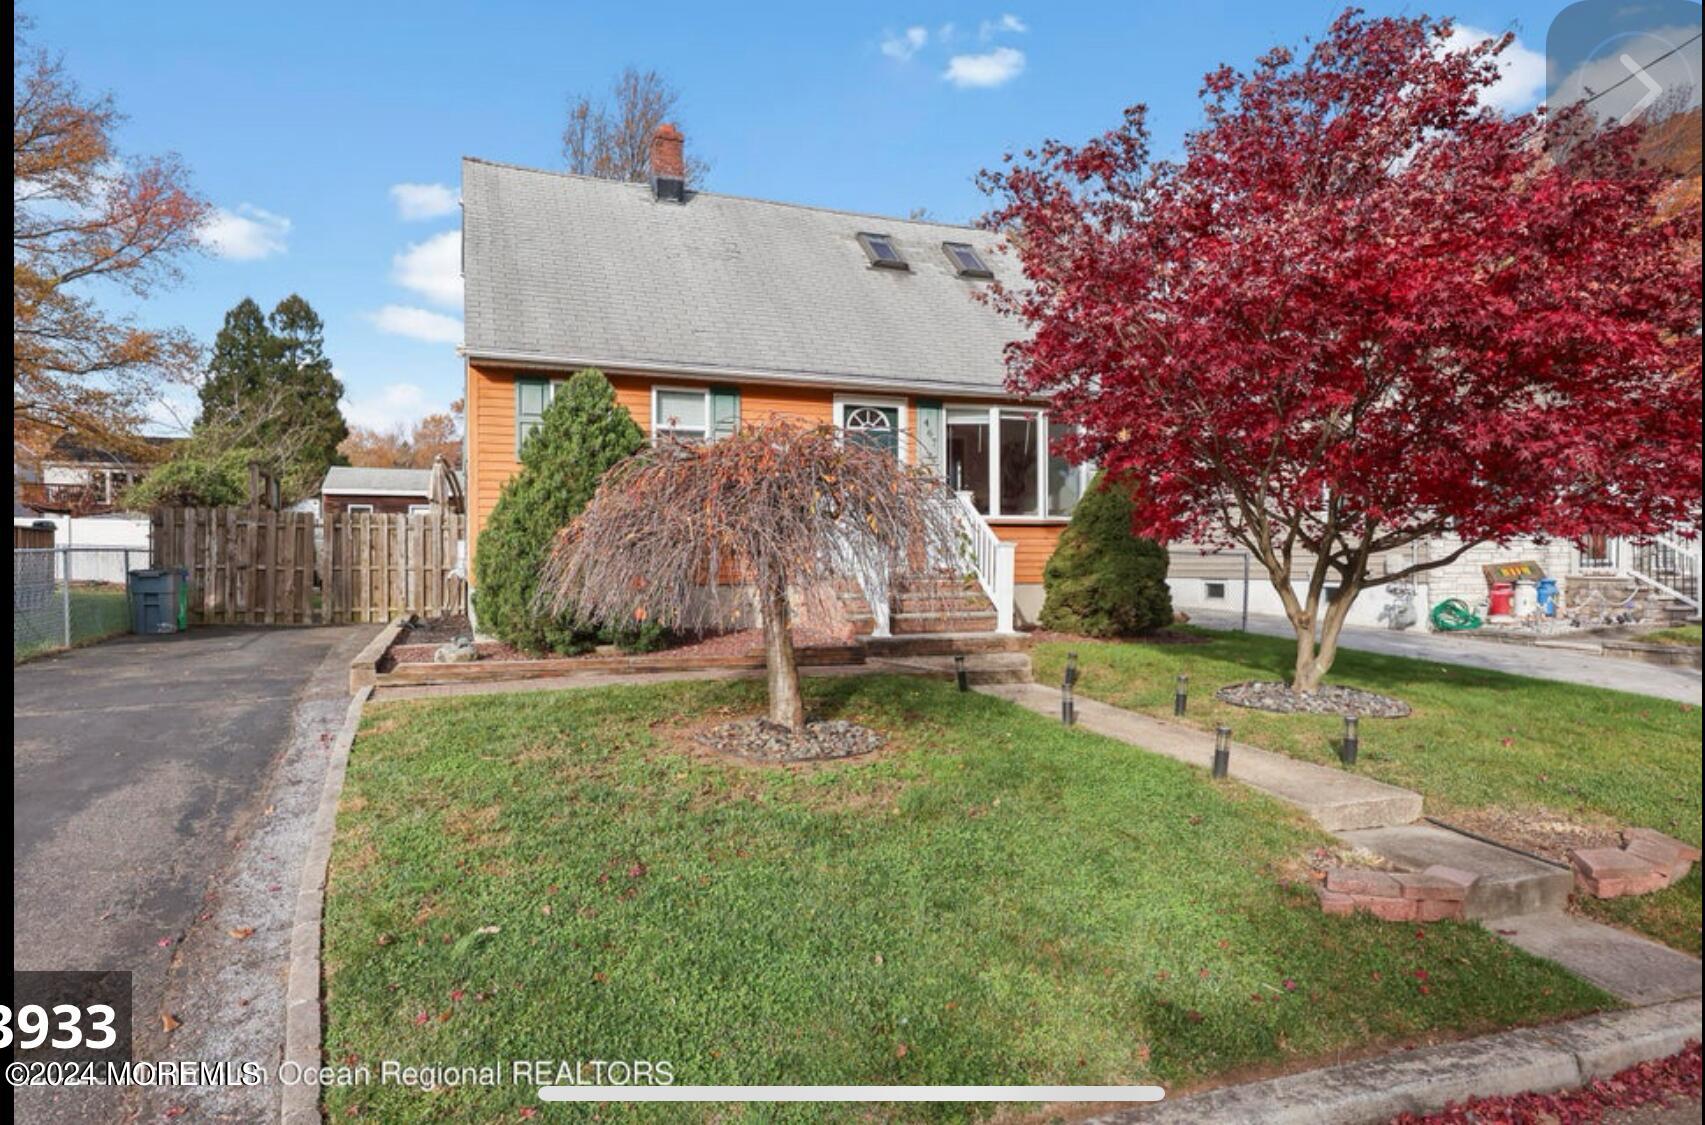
x=707, y=311
x=391, y=491
x=81, y=477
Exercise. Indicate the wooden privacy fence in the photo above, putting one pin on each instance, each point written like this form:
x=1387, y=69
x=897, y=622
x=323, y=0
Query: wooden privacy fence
x=379, y=566
x=247, y=566
x=257, y=566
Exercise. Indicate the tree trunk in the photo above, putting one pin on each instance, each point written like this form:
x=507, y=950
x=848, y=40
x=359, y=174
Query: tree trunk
x=787, y=708
x=1315, y=660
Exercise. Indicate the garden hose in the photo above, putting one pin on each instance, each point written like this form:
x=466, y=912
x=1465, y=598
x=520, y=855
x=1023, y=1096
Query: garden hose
x=1454, y=616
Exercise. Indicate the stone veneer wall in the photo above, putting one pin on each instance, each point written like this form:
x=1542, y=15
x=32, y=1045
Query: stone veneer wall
x=1464, y=578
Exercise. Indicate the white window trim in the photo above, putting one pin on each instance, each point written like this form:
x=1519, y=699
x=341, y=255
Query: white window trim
x=359, y=509
x=899, y=405
x=658, y=424
x=1085, y=471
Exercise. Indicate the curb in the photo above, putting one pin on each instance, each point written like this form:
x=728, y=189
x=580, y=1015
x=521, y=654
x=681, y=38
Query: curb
x=1537, y=1059
x=300, y=1102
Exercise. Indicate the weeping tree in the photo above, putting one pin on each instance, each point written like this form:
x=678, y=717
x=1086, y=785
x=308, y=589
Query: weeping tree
x=786, y=512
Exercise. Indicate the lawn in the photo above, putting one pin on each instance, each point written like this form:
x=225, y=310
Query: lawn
x=1681, y=635
x=1477, y=741
x=993, y=899
x=98, y=610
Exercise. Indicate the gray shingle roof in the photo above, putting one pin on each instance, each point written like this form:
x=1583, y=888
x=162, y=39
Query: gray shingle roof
x=561, y=267
x=347, y=478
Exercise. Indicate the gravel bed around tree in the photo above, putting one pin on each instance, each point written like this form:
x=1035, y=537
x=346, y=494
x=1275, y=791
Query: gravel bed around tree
x=760, y=740
x=1328, y=699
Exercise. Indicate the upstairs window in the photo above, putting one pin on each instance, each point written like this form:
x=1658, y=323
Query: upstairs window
x=966, y=261
x=881, y=251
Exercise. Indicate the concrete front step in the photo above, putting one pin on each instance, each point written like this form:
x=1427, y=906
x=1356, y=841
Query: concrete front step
x=980, y=667
x=1338, y=800
x=1510, y=884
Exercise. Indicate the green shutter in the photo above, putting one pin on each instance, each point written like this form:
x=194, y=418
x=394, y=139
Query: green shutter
x=928, y=414
x=724, y=412
x=531, y=398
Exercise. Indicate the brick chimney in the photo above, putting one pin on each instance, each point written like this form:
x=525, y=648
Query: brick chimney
x=668, y=164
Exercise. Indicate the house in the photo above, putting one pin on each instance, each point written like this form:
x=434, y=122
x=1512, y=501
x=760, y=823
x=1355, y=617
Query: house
x=391, y=491
x=707, y=311
x=80, y=476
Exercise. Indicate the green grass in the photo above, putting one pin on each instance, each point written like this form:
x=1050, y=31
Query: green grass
x=1682, y=635
x=97, y=611
x=993, y=900
x=1477, y=740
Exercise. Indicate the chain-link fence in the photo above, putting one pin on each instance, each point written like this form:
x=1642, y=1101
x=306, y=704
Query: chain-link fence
x=63, y=596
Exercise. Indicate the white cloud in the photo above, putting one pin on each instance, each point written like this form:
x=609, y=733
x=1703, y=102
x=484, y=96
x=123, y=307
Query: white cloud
x=423, y=201
x=245, y=234
x=1008, y=23
x=906, y=44
x=418, y=324
x=1521, y=70
x=404, y=403
x=992, y=68
x=432, y=268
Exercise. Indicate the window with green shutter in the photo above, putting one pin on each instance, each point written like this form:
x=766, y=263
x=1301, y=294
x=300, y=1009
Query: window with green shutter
x=531, y=398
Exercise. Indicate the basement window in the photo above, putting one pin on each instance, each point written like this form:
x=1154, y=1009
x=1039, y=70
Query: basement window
x=966, y=260
x=881, y=251
x=1215, y=591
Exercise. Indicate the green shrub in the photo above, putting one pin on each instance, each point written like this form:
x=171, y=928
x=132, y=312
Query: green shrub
x=584, y=432
x=195, y=476
x=1104, y=581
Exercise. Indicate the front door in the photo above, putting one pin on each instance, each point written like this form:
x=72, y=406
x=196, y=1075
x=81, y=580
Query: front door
x=875, y=426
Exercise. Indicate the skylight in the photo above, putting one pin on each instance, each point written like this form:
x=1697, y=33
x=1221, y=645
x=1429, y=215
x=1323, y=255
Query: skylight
x=966, y=260
x=882, y=252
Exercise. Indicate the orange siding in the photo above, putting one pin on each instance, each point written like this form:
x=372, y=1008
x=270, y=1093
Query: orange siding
x=492, y=460
x=1036, y=543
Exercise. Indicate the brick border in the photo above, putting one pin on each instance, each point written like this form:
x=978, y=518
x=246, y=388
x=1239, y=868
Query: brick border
x=1434, y=895
x=1647, y=861
x=303, y=1023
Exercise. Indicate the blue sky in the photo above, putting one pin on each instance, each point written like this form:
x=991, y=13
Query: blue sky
x=299, y=120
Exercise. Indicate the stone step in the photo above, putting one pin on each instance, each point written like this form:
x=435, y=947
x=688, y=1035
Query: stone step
x=1510, y=884
x=954, y=601
x=1337, y=799
x=961, y=621
x=980, y=667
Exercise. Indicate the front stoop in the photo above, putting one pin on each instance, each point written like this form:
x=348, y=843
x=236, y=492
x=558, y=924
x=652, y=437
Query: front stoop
x=980, y=667
x=1508, y=882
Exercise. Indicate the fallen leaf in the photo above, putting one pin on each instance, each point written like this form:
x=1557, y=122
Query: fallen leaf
x=242, y=933
x=169, y=1023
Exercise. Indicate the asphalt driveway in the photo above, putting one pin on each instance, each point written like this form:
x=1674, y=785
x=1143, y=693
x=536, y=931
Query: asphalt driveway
x=162, y=792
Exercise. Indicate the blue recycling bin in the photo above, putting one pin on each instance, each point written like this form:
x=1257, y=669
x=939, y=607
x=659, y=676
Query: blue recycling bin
x=1547, y=595
x=156, y=601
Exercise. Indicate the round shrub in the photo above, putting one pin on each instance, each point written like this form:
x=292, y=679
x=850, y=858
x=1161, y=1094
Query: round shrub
x=1103, y=581
x=583, y=432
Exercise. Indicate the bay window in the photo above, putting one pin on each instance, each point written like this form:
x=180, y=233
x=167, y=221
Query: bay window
x=1002, y=457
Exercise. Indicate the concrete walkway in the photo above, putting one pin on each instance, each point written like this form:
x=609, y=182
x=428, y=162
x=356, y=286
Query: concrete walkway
x=1520, y=898
x=1681, y=684
x=1336, y=799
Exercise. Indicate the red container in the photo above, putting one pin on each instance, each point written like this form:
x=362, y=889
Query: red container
x=1502, y=600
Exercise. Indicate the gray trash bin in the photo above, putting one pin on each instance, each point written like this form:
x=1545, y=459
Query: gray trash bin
x=154, y=600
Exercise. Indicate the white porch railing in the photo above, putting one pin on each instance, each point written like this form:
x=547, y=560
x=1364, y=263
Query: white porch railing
x=1666, y=563
x=990, y=559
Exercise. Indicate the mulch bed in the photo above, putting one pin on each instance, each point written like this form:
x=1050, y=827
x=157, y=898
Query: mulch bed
x=760, y=740
x=415, y=645
x=1539, y=831
x=1328, y=699
x=1673, y=1081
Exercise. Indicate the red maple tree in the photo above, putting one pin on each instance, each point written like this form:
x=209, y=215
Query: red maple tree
x=1360, y=311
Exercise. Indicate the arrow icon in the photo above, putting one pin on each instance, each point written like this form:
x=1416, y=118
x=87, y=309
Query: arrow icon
x=1653, y=89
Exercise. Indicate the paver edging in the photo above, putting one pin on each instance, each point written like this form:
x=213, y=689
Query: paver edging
x=1538, y=1059
x=303, y=1022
